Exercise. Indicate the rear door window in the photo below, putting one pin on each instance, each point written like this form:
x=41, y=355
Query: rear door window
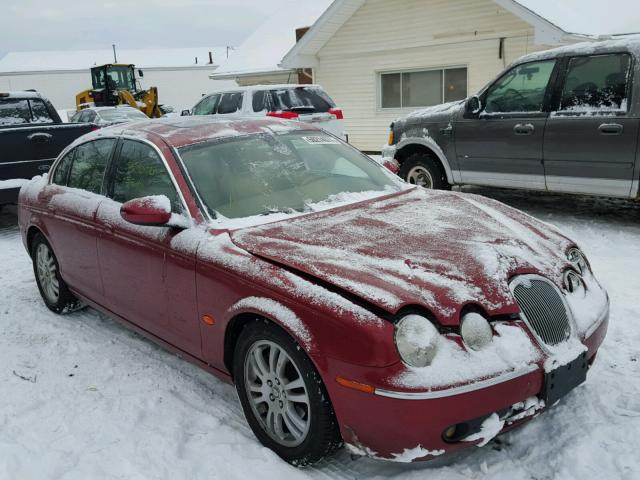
x=139, y=172
x=596, y=83
x=89, y=163
x=301, y=100
x=14, y=111
x=40, y=112
x=259, y=101
x=230, y=102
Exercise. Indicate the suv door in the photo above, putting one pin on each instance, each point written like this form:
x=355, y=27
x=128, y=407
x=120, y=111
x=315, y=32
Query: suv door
x=502, y=144
x=591, y=138
x=147, y=281
x=72, y=199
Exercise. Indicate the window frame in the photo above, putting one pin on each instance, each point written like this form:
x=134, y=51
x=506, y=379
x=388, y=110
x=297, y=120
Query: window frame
x=561, y=80
x=380, y=73
x=547, y=103
x=109, y=173
x=106, y=168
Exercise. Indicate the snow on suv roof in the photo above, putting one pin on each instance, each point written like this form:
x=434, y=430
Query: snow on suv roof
x=279, y=86
x=19, y=94
x=631, y=44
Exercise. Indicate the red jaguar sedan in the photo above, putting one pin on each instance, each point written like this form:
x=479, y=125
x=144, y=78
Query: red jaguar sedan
x=346, y=306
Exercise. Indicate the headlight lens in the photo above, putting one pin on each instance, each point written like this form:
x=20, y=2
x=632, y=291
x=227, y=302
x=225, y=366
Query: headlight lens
x=577, y=258
x=476, y=331
x=416, y=340
x=573, y=282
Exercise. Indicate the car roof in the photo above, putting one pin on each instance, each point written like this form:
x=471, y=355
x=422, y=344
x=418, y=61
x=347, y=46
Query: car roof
x=627, y=44
x=182, y=131
x=116, y=107
x=20, y=94
x=281, y=86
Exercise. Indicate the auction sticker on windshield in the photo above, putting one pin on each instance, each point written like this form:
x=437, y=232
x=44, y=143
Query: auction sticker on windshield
x=321, y=140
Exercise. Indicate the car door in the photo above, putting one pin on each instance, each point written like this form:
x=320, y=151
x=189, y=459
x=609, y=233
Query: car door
x=146, y=280
x=72, y=199
x=502, y=144
x=591, y=138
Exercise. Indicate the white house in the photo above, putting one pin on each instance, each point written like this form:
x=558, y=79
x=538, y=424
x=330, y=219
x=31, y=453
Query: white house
x=379, y=59
x=181, y=74
x=256, y=61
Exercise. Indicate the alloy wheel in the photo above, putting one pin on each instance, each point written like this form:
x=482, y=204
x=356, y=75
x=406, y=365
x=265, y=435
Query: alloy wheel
x=420, y=176
x=47, y=273
x=277, y=393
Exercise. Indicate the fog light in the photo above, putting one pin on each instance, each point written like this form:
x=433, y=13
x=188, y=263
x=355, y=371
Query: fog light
x=450, y=432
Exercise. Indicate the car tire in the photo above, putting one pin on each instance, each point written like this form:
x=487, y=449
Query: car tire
x=423, y=170
x=300, y=433
x=53, y=289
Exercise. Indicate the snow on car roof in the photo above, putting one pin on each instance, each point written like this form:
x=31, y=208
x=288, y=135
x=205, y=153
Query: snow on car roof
x=182, y=131
x=19, y=94
x=631, y=44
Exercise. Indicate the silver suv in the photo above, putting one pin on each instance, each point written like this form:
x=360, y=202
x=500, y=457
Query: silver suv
x=564, y=120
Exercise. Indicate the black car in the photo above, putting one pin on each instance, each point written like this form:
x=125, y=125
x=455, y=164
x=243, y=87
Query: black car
x=31, y=137
x=564, y=120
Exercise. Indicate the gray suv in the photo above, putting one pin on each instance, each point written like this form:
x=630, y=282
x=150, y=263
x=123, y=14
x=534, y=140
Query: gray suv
x=564, y=120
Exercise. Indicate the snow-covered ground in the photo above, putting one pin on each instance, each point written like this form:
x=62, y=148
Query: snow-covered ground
x=83, y=398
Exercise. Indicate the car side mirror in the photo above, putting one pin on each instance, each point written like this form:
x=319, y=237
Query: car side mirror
x=185, y=113
x=149, y=211
x=473, y=105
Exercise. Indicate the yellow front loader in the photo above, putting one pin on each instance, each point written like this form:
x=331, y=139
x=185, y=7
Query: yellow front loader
x=115, y=84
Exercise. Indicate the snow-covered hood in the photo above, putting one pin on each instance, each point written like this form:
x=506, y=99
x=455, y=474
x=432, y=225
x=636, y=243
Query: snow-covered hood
x=439, y=250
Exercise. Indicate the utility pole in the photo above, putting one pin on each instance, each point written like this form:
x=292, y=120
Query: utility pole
x=115, y=59
x=229, y=48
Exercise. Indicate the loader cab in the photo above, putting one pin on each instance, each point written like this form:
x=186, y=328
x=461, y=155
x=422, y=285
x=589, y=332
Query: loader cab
x=108, y=79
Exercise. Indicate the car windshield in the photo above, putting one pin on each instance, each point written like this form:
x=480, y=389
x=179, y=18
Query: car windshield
x=288, y=173
x=121, y=114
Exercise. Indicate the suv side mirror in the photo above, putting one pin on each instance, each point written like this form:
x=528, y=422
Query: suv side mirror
x=473, y=105
x=149, y=211
x=185, y=113
x=140, y=73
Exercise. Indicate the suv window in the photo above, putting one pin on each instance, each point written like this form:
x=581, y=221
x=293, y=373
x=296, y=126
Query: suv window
x=62, y=170
x=89, y=163
x=311, y=99
x=14, y=111
x=259, y=101
x=596, y=83
x=207, y=105
x=230, y=102
x=521, y=89
x=139, y=172
x=40, y=112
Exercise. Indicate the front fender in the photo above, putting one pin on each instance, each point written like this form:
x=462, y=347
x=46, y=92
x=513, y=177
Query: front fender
x=431, y=144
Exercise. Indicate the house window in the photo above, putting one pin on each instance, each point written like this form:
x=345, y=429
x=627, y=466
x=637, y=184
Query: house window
x=422, y=88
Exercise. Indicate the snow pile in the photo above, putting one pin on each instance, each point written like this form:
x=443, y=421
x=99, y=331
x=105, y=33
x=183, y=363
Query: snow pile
x=13, y=183
x=411, y=454
x=491, y=427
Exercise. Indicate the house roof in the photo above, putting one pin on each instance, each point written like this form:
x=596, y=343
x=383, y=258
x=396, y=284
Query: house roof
x=554, y=22
x=21, y=62
x=263, y=50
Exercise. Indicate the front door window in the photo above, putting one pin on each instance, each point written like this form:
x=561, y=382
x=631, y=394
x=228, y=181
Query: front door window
x=521, y=90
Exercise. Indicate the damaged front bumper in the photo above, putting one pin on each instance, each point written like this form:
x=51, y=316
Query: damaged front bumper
x=409, y=426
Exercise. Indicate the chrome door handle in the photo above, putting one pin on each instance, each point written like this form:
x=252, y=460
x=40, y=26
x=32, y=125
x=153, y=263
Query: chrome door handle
x=524, y=129
x=40, y=137
x=611, y=129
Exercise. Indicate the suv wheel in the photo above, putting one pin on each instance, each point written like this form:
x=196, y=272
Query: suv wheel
x=282, y=395
x=422, y=170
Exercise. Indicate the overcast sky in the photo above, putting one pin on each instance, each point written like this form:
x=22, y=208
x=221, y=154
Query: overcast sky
x=80, y=24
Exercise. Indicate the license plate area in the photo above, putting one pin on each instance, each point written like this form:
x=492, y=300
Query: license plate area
x=559, y=382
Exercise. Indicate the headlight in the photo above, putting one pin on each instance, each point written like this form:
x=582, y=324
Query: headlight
x=573, y=282
x=476, y=331
x=416, y=340
x=579, y=261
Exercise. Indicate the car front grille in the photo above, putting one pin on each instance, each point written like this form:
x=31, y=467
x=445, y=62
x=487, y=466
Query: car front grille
x=543, y=308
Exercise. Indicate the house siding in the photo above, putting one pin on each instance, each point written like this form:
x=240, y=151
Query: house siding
x=392, y=35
